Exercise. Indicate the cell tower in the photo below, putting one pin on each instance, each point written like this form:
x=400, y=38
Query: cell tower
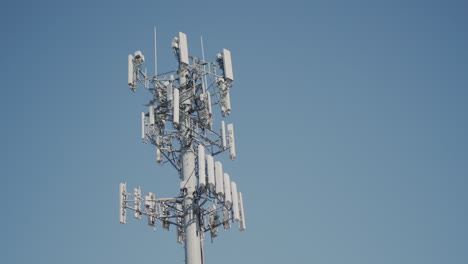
x=179, y=123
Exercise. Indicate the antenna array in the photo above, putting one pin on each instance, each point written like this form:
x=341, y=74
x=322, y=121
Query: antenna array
x=180, y=124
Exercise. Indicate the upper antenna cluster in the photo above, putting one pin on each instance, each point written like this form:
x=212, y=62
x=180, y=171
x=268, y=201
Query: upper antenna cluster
x=189, y=95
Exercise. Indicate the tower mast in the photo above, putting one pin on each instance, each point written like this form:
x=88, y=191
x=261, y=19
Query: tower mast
x=207, y=197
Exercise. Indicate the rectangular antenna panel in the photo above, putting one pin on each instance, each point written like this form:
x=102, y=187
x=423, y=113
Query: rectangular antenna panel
x=180, y=224
x=235, y=201
x=223, y=134
x=131, y=79
x=227, y=191
x=183, y=49
x=201, y=166
x=242, y=213
x=228, y=75
x=169, y=89
x=175, y=112
x=232, y=143
x=219, y=178
x=227, y=102
x=151, y=114
x=137, y=197
x=143, y=134
x=210, y=170
x=123, y=197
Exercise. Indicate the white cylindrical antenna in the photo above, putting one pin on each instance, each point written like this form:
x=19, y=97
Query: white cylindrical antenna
x=151, y=114
x=223, y=133
x=158, y=155
x=155, y=54
x=232, y=143
x=210, y=170
x=176, y=107
x=131, y=82
x=201, y=166
x=235, y=201
x=242, y=213
x=219, y=178
x=123, y=196
x=203, y=58
x=227, y=191
x=143, y=135
x=209, y=103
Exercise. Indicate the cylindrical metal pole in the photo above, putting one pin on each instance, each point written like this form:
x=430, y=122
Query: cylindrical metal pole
x=192, y=237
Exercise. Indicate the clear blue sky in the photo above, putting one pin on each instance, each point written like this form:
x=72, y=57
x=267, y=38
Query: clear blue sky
x=351, y=128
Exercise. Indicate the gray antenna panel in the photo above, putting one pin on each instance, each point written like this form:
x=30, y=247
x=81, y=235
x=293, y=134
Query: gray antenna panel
x=228, y=74
x=151, y=114
x=242, y=213
x=223, y=133
x=143, y=119
x=183, y=49
x=232, y=143
x=169, y=88
x=176, y=107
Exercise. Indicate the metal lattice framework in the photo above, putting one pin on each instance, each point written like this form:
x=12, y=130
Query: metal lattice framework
x=179, y=123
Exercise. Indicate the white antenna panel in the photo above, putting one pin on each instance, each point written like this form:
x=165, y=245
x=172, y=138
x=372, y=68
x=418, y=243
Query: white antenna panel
x=183, y=49
x=137, y=197
x=151, y=114
x=242, y=213
x=169, y=89
x=176, y=107
x=223, y=133
x=123, y=197
x=227, y=101
x=201, y=166
x=131, y=78
x=232, y=143
x=219, y=178
x=235, y=201
x=143, y=119
x=228, y=75
x=227, y=191
x=210, y=170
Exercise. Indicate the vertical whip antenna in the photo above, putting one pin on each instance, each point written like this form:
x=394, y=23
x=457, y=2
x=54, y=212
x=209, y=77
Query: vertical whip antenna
x=155, y=55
